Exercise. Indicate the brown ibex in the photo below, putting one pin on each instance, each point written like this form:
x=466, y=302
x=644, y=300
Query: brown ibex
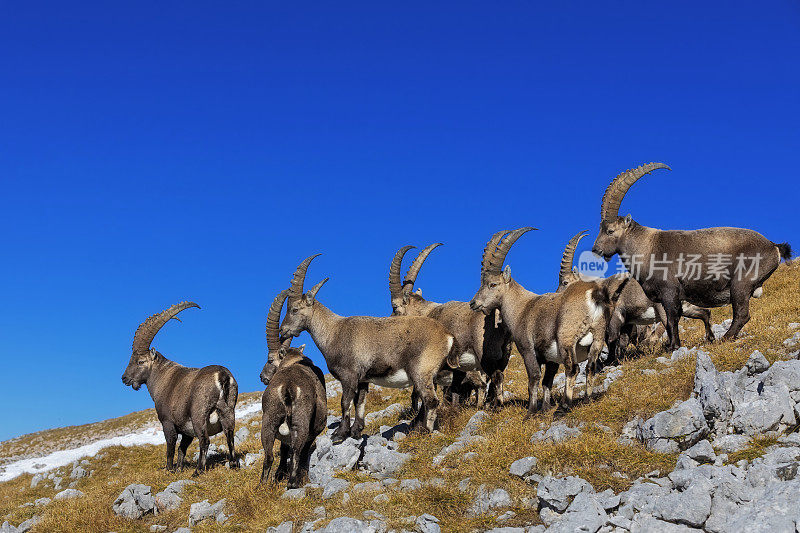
x=549, y=329
x=485, y=343
x=633, y=308
x=389, y=351
x=708, y=267
x=294, y=406
x=190, y=402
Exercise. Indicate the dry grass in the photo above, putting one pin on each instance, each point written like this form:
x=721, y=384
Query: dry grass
x=595, y=455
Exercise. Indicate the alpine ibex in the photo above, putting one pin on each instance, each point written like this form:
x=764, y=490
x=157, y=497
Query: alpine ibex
x=549, y=329
x=294, y=406
x=486, y=344
x=633, y=308
x=707, y=267
x=389, y=351
x=190, y=402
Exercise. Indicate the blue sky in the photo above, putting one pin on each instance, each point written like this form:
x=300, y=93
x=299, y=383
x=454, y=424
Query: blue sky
x=156, y=152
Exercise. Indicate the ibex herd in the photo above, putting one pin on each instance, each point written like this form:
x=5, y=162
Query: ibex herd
x=458, y=345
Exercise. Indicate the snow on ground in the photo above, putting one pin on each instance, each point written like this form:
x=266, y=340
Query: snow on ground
x=149, y=436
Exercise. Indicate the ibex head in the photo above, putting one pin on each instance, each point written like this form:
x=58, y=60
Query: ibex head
x=494, y=280
x=403, y=296
x=143, y=356
x=300, y=306
x=614, y=228
x=569, y=274
x=277, y=352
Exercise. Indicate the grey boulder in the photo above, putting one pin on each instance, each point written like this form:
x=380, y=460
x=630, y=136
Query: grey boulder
x=675, y=429
x=170, y=498
x=135, y=501
x=204, y=510
x=557, y=493
x=487, y=500
x=68, y=494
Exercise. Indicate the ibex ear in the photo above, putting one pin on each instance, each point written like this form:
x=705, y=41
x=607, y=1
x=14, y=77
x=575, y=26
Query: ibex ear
x=574, y=270
x=301, y=348
x=153, y=353
x=507, y=273
x=418, y=292
x=282, y=351
x=628, y=219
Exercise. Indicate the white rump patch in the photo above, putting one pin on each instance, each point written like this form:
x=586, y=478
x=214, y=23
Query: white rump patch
x=284, y=429
x=467, y=361
x=587, y=339
x=552, y=353
x=595, y=311
x=758, y=293
x=397, y=380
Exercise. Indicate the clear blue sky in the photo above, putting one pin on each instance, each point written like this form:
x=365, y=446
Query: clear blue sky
x=156, y=152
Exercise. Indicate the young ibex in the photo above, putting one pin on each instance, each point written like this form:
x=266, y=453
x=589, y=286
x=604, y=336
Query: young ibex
x=294, y=406
x=633, y=308
x=549, y=329
x=707, y=267
x=486, y=342
x=190, y=402
x=474, y=382
x=389, y=351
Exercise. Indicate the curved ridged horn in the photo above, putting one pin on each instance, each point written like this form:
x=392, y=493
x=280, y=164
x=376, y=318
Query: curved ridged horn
x=273, y=318
x=615, y=192
x=296, y=289
x=147, y=330
x=395, y=285
x=569, y=255
x=413, y=270
x=312, y=293
x=490, y=247
x=495, y=262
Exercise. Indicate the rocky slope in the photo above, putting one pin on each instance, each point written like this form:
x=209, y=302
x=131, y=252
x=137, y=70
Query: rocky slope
x=700, y=439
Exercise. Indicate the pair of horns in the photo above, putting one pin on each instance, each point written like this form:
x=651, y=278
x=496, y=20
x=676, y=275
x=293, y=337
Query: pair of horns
x=148, y=329
x=609, y=208
x=299, y=279
x=395, y=285
x=569, y=255
x=497, y=248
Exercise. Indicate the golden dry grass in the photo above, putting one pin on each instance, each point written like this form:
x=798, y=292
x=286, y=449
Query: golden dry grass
x=594, y=455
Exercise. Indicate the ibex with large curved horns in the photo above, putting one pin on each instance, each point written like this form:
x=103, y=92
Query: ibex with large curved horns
x=294, y=406
x=549, y=329
x=633, y=308
x=190, y=402
x=708, y=267
x=486, y=344
x=389, y=351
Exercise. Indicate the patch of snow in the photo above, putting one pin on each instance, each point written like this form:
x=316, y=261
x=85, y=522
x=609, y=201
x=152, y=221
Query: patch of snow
x=151, y=436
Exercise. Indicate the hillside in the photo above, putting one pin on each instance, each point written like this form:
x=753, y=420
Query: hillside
x=593, y=451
